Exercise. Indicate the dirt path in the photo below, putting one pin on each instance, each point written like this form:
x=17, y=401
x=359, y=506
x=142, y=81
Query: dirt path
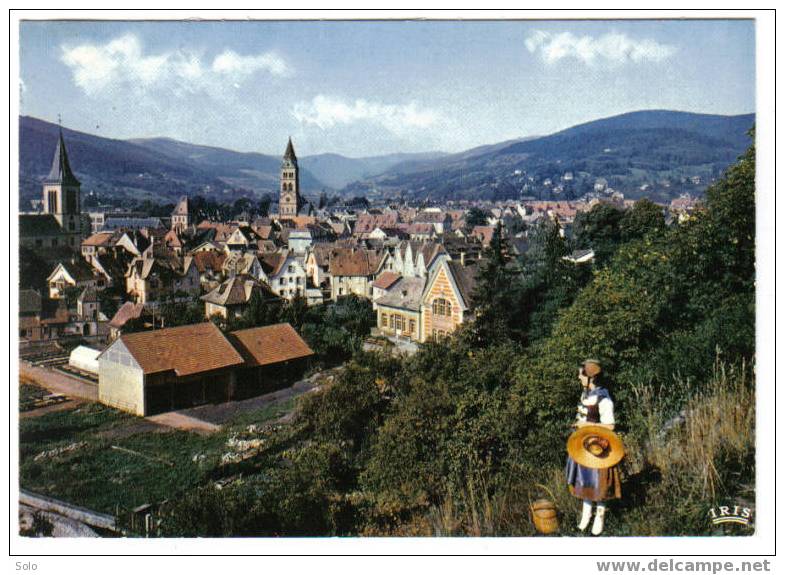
x=58, y=382
x=64, y=406
x=180, y=420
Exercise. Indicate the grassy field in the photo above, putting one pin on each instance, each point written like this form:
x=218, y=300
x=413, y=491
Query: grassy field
x=109, y=461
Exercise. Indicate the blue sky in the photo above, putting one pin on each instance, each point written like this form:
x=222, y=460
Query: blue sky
x=368, y=88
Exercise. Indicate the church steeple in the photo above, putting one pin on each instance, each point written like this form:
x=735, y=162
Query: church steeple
x=61, y=170
x=290, y=202
x=289, y=153
x=61, y=193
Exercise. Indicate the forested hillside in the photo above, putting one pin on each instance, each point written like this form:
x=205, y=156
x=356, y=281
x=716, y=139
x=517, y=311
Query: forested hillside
x=652, y=153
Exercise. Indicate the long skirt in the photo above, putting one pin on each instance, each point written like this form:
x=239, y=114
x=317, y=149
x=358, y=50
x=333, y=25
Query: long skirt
x=593, y=484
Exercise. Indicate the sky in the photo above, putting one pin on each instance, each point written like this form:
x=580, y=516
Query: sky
x=371, y=88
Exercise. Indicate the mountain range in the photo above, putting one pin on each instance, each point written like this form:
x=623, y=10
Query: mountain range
x=653, y=153
x=656, y=153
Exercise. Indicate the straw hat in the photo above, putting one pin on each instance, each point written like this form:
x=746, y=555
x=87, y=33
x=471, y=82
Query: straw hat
x=595, y=447
x=591, y=367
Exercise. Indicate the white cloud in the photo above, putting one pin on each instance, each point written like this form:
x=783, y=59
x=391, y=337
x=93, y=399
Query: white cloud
x=123, y=64
x=230, y=62
x=327, y=112
x=611, y=48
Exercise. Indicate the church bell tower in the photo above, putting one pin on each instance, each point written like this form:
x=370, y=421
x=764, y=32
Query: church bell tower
x=61, y=191
x=289, y=203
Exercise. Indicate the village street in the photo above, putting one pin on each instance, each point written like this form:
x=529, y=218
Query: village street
x=58, y=382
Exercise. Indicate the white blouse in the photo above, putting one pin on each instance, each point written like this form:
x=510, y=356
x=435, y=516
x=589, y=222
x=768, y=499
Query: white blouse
x=605, y=408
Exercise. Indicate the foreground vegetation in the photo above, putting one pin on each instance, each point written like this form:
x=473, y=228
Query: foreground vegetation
x=109, y=461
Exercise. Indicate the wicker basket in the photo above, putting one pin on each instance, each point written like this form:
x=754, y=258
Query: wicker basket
x=544, y=514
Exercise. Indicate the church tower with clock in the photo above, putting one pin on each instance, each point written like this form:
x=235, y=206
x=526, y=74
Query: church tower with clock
x=290, y=201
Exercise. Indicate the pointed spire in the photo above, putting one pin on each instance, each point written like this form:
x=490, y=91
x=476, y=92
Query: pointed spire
x=289, y=153
x=61, y=170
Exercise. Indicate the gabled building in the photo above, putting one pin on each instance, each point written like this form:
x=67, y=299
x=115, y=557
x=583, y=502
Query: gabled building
x=417, y=308
x=165, y=369
x=158, y=274
x=210, y=266
x=73, y=273
x=243, y=239
x=447, y=299
x=160, y=370
x=285, y=274
x=181, y=216
x=231, y=298
x=352, y=271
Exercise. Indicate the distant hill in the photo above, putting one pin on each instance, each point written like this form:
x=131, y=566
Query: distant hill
x=110, y=168
x=337, y=171
x=653, y=153
x=163, y=169
x=247, y=170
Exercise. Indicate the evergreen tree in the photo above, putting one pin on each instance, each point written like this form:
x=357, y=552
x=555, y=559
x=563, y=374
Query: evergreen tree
x=494, y=294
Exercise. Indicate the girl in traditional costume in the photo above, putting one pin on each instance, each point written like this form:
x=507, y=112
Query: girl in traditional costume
x=593, y=485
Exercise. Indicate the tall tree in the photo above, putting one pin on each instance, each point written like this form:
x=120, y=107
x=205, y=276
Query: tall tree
x=494, y=294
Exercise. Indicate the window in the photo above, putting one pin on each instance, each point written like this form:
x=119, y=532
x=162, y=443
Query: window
x=54, y=243
x=411, y=325
x=384, y=320
x=70, y=202
x=291, y=269
x=398, y=322
x=281, y=281
x=442, y=307
x=52, y=201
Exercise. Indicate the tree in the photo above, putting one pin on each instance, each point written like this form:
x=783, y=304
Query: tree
x=295, y=312
x=600, y=230
x=323, y=200
x=242, y=205
x=494, y=293
x=476, y=217
x=264, y=205
x=644, y=217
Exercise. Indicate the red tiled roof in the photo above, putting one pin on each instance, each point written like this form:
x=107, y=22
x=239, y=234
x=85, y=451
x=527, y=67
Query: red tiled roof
x=209, y=260
x=386, y=279
x=369, y=222
x=99, y=239
x=270, y=344
x=485, y=233
x=127, y=311
x=353, y=262
x=186, y=350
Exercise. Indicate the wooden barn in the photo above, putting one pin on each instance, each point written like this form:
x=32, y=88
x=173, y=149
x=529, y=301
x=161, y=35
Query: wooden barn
x=166, y=369
x=274, y=355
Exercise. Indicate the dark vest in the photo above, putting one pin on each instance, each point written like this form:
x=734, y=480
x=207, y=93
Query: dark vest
x=593, y=411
